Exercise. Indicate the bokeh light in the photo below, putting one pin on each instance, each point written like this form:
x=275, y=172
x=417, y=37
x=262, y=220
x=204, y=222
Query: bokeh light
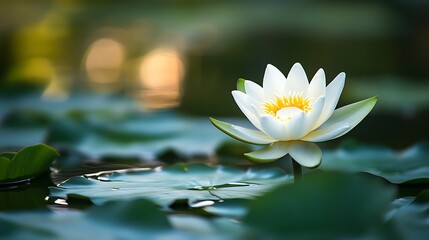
x=103, y=63
x=160, y=73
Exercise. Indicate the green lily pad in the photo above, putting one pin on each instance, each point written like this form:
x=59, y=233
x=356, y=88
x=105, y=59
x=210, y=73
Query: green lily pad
x=29, y=162
x=26, y=118
x=325, y=205
x=234, y=208
x=138, y=135
x=396, y=167
x=100, y=126
x=213, y=228
x=136, y=219
x=410, y=217
x=130, y=220
x=195, y=182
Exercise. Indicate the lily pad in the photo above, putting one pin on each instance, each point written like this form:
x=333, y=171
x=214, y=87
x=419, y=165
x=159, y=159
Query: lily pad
x=410, y=218
x=131, y=220
x=29, y=162
x=136, y=219
x=100, y=126
x=325, y=205
x=234, y=208
x=138, y=135
x=396, y=167
x=194, y=182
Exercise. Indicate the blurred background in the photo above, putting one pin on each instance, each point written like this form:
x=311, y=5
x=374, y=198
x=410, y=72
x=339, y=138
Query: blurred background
x=88, y=74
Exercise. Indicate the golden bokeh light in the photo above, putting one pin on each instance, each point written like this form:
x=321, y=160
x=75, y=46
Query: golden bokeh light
x=161, y=72
x=104, y=61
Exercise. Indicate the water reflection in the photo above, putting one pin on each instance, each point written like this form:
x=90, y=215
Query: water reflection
x=103, y=63
x=161, y=72
x=25, y=196
x=55, y=90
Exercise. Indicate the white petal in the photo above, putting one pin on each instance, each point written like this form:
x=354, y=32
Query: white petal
x=255, y=106
x=254, y=90
x=244, y=103
x=333, y=92
x=314, y=114
x=243, y=134
x=296, y=127
x=273, y=127
x=274, y=82
x=296, y=80
x=317, y=85
x=350, y=115
x=269, y=153
x=252, y=135
x=307, y=154
x=327, y=133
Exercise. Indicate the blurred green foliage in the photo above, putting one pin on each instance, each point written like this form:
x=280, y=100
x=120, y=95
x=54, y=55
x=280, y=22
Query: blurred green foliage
x=218, y=42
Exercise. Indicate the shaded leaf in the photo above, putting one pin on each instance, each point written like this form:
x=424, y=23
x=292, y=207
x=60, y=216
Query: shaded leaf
x=140, y=135
x=131, y=221
x=136, y=219
x=215, y=228
x=396, y=167
x=410, y=219
x=100, y=125
x=235, y=208
x=326, y=205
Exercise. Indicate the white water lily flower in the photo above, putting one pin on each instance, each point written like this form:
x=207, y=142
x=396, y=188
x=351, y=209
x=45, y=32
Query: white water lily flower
x=290, y=114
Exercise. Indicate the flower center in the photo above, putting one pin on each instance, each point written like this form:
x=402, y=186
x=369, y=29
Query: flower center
x=286, y=106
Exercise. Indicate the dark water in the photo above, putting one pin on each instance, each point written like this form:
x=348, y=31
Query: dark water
x=25, y=195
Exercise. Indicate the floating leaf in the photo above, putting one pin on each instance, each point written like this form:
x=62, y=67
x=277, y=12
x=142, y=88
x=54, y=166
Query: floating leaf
x=234, y=208
x=26, y=118
x=136, y=219
x=29, y=162
x=130, y=220
x=214, y=228
x=195, y=182
x=396, y=167
x=142, y=135
x=326, y=205
x=410, y=219
x=99, y=126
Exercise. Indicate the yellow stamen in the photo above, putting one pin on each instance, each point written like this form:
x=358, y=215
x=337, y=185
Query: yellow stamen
x=293, y=100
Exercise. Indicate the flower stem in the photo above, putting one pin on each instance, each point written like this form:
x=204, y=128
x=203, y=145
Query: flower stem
x=297, y=171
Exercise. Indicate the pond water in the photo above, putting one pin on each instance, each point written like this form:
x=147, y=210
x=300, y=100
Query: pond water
x=195, y=181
